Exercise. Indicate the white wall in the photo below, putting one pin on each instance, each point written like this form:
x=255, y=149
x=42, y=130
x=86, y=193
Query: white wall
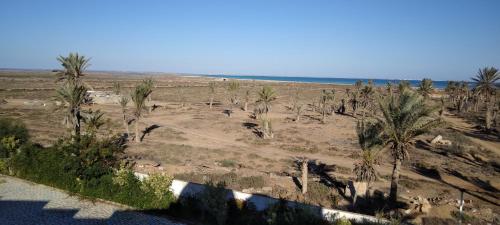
x=184, y=189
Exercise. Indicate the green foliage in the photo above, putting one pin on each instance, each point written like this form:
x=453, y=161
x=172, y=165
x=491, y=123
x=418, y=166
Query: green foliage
x=214, y=201
x=159, y=185
x=281, y=214
x=425, y=88
x=12, y=129
x=343, y=221
x=74, y=67
x=320, y=193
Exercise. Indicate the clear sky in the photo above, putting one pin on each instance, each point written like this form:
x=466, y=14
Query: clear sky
x=440, y=39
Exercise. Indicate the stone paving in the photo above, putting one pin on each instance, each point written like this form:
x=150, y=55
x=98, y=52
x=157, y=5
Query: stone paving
x=26, y=203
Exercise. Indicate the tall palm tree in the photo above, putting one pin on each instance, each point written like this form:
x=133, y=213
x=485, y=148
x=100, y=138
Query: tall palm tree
x=74, y=67
x=139, y=96
x=73, y=96
x=485, y=85
x=266, y=96
x=404, y=118
x=212, y=87
x=425, y=88
x=123, y=103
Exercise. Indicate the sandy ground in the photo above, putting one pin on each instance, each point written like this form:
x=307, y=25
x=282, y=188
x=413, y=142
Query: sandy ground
x=194, y=138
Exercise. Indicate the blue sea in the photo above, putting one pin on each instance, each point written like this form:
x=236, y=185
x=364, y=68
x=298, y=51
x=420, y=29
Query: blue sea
x=327, y=80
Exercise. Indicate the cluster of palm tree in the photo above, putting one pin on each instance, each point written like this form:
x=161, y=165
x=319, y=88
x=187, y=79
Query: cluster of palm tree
x=485, y=85
x=403, y=117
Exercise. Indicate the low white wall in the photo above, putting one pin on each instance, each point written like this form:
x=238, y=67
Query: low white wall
x=184, y=189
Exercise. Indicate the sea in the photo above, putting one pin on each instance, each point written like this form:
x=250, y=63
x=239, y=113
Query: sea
x=327, y=80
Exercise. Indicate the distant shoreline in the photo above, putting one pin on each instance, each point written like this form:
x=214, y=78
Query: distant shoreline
x=324, y=80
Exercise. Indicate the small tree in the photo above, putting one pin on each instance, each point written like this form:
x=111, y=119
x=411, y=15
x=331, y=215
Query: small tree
x=123, y=103
x=232, y=89
x=299, y=109
x=266, y=97
x=369, y=140
x=139, y=96
x=326, y=98
x=212, y=88
x=117, y=88
x=73, y=95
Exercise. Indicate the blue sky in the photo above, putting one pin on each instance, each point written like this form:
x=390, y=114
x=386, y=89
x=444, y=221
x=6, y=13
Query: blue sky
x=373, y=39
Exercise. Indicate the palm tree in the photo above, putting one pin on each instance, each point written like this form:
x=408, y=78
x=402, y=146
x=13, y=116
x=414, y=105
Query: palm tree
x=73, y=96
x=403, y=85
x=369, y=141
x=232, y=89
x=266, y=96
x=366, y=95
x=149, y=84
x=425, y=88
x=212, y=87
x=485, y=85
x=123, y=103
x=74, y=68
x=404, y=118
x=139, y=97
x=326, y=97
x=117, y=88
x=94, y=121
x=389, y=88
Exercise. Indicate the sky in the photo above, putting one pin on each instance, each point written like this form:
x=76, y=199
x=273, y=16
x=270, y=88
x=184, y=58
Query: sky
x=399, y=39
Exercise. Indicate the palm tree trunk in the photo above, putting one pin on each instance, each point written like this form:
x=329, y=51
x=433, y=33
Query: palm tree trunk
x=304, y=176
x=137, y=137
x=211, y=102
x=125, y=124
x=393, y=196
x=488, y=116
x=245, y=108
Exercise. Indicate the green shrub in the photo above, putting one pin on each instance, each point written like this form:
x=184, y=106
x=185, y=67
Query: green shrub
x=158, y=186
x=343, y=221
x=13, y=133
x=214, y=201
x=321, y=194
x=282, y=214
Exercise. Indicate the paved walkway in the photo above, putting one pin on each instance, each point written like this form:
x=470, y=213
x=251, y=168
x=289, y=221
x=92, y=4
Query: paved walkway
x=26, y=203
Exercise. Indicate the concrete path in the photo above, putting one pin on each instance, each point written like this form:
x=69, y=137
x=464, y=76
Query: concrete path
x=26, y=203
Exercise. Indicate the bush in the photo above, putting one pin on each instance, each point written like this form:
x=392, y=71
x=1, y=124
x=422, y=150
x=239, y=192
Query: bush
x=251, y=182
x=13, y=134
x=281, y=214
x=158, y=186
x=321, y=194
x=214, y=201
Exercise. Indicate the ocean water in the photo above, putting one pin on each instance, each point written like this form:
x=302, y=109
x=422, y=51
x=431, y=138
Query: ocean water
x=327, y=80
